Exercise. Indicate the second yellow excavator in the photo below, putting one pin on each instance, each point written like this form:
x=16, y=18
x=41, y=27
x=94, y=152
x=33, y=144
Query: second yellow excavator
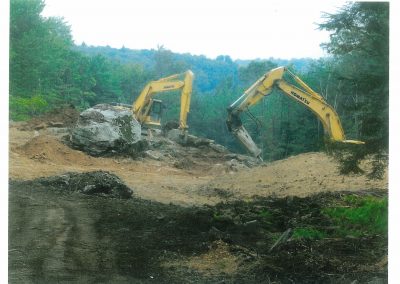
x=147, y=110
x=302, y=94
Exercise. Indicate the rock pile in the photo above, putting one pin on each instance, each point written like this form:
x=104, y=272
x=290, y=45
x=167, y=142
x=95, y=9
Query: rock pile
x=105, y=130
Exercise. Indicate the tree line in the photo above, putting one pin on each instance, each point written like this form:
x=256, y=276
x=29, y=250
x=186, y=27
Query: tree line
x=48, y=70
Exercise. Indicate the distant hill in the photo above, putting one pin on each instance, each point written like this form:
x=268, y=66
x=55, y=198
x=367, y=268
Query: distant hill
x=299, y=64
x=209, y=72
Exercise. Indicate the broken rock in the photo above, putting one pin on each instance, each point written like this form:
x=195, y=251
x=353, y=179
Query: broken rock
x=190, y=140
x=235, y=165
x=152, y=155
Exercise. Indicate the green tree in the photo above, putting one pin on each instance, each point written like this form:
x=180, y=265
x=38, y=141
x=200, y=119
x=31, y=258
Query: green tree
x=38, y=56
x=166, y=64
x=360, y=45
x=253, y=71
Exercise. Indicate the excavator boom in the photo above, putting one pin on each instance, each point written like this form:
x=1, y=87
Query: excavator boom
x=303, y=94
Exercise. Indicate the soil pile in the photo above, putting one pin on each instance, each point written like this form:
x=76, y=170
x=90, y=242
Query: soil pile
x=92, y=183
x=299, y=175
x=65, y=116
x=186, y=175
x=48, y=149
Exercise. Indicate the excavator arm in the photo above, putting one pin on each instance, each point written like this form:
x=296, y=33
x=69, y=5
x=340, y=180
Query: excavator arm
x=145, y=106
x=303, y=94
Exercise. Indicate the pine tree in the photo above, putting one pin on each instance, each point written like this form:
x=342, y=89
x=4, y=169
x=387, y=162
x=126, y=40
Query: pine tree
x=360, y=45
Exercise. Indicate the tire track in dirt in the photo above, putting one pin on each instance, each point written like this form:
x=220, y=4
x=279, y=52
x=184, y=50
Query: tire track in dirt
x=51, y=237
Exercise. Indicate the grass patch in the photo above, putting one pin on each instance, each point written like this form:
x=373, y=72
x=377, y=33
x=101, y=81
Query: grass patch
x=308, y=233
x=265, y=214
x=360, y=216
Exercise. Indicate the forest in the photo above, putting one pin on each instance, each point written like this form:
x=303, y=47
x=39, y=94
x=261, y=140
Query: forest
x=48, y=70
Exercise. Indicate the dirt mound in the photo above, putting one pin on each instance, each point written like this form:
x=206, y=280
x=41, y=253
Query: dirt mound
x=65, y=116
x=91, y=183
x=170, y=172
x=44, y=148
x=299, y=175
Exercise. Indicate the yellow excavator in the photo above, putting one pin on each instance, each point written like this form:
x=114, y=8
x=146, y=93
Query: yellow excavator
x=148, y=110
x=302, y=94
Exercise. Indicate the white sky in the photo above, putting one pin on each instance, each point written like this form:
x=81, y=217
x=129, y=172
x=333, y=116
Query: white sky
x=242, y=29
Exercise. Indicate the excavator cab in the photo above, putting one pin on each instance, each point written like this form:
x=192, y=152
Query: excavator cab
x=155, y=112
x=148, y=110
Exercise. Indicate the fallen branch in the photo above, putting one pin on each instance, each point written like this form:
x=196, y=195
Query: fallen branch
x=283, y=238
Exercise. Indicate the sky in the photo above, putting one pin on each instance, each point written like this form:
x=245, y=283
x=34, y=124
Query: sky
x=241, y=29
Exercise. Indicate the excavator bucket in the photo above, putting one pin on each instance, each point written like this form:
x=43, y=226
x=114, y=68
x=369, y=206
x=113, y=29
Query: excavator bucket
x=352, y=142
x=244, y=137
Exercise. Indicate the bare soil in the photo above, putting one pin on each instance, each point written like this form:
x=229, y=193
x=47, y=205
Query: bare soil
x=64, y=116
x=205, y=179
x=195, y=219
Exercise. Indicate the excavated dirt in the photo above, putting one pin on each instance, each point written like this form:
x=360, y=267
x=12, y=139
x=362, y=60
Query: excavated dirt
x=48, y=149
x=65, y=116
x=197, y=215
x=185, y=175
x=300, y=175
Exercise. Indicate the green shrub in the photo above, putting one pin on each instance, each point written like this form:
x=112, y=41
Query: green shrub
x=24, y=108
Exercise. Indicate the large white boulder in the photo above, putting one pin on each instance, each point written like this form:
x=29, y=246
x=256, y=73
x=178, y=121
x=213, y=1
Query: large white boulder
x=106, y=129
